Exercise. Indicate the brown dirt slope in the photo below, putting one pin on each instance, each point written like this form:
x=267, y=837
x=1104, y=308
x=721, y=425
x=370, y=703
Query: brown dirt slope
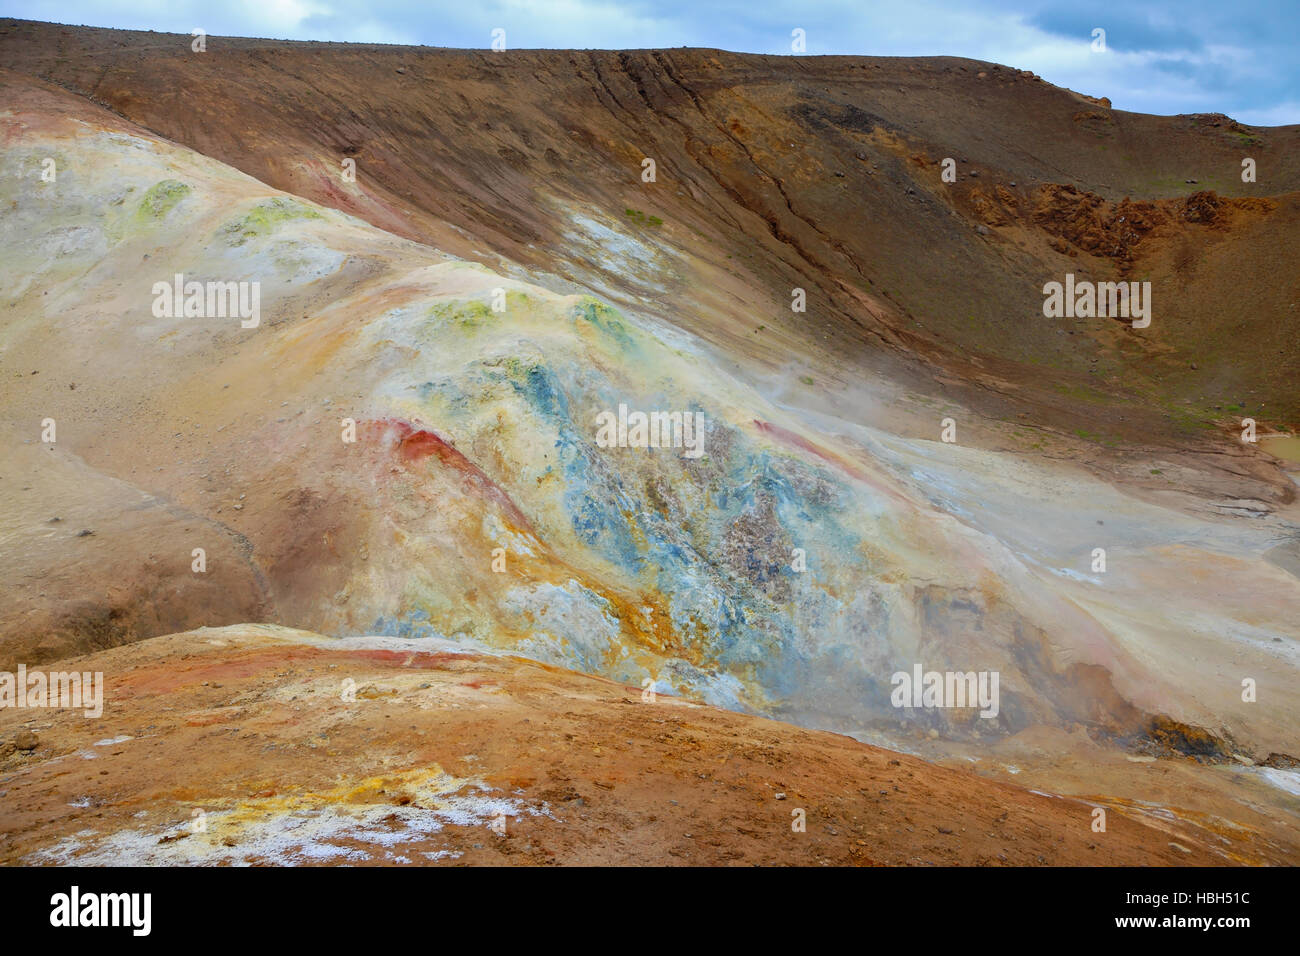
x=780, y=172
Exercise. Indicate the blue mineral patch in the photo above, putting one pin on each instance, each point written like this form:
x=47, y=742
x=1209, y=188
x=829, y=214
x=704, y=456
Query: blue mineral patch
x=605, y=318
x=413, y=624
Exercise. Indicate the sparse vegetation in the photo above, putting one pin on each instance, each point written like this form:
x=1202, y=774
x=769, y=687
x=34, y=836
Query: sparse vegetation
x=639, y=217
x=262, y=219
x=160, y=198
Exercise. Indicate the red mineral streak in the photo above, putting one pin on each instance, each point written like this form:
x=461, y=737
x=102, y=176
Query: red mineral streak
x=420, y=660
x=414, y=445
x=235, y=664
x=798, y=441
x=240, y=664
x=787, y=437
x=366, y=206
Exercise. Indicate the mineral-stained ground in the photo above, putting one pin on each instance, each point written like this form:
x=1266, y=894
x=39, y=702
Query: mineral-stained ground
x=437, y=620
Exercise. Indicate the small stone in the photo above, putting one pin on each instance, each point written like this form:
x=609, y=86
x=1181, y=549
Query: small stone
x=780, y=796
x=26, y=741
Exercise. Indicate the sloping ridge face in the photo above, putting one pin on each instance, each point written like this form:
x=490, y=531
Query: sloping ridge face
x=479, y=499
x=441, y=743
x=399, y=441
x=776, y=173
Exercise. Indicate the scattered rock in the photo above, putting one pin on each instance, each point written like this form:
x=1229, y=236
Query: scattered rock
x=26, y=741
x=1172, y=736
x=1202, y=207
x=1280, y=761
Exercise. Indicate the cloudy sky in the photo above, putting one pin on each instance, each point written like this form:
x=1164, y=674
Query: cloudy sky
x=1240, y=57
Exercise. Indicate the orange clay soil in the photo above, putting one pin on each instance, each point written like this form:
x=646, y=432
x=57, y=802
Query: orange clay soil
x=250, y=727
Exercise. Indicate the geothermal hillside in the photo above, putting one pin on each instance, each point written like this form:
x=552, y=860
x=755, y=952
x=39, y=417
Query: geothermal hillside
x=391, y=476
